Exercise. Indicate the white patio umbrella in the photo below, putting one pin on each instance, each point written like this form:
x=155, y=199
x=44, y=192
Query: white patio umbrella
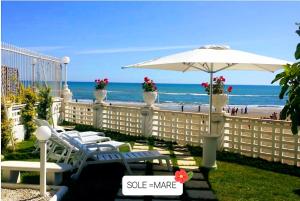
x=212, y=59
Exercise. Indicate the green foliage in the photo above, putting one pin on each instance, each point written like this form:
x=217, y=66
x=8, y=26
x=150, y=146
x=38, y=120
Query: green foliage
x=44, y=107
x=6, y=128
x=28, y=113
x=289, y=81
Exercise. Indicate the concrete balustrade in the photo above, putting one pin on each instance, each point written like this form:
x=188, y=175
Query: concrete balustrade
x=268, y=139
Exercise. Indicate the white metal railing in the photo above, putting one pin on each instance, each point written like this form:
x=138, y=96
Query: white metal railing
x=268, y=139
x=20, y=65
x=81, y=113
x=123, y=119
x=14, y=112
x=181, y=127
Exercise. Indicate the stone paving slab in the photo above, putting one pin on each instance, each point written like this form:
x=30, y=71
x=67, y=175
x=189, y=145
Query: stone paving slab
x=163, y=173
x=201, y=194
x=141, y=148
x=198, y=175
x=156, y=161
x=192, y=168
x=160, y=167
x=187, y=158
x=135, y=166
x=185, y=153
x=159, y=149
x=165, y=152
x=186, y=163
x=139, y=144
x=196, y=184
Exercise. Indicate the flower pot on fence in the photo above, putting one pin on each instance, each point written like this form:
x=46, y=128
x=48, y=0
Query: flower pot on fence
x=150, y=97
x=219, y=101
x=100, y=95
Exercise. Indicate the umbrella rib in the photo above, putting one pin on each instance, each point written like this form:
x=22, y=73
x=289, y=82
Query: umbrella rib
x=229, y=66
x=264, y=68
x=190, y=65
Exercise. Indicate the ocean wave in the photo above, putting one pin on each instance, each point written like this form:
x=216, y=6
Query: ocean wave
x=230, y=95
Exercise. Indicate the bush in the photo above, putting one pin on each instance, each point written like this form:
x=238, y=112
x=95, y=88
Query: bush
x=6, y=128
x=44, y=107
x=28, y=113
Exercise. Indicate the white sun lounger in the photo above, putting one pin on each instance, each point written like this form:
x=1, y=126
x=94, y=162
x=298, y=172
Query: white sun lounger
x=85, y=137
x=101, y=157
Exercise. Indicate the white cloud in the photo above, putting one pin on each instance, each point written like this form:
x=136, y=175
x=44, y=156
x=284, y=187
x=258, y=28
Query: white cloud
x=135, y=49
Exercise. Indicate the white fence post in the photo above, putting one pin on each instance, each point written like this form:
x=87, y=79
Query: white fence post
x=147, y=121
x=218, y=122
x=98, y=115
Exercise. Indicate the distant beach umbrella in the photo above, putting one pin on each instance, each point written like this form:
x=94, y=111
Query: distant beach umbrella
x=212, y=59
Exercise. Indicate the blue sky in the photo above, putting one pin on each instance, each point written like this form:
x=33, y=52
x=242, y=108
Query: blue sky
x=101, y=37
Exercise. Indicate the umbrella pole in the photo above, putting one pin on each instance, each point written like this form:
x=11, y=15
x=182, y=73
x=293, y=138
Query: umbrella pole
x=210, y=101
x=210, y=139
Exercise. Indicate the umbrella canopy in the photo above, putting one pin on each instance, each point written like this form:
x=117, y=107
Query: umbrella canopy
x=213, y=58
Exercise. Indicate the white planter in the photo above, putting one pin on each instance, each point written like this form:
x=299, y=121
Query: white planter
x=150, y=97
x=100, y=95
x=219, y=101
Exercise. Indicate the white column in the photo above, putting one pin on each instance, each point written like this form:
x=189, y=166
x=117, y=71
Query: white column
x=98, y=114
x=213, y=141
x=43, y=185
x=147, y=121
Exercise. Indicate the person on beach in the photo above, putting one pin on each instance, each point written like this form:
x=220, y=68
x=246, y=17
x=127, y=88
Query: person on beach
x=228, y=110
x=236, y=111
x=246, y=110
x=199, y=108
x=242, y=110
x=232, y=111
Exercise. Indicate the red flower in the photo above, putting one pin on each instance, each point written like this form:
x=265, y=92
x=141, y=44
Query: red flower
x=181, y=176
x=146, y=79
x=204, y=84
x=105, y=80
x=229, y=89
x=222, y=78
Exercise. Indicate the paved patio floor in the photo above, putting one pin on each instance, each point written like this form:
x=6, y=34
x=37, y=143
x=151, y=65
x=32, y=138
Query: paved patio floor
x=103, y=182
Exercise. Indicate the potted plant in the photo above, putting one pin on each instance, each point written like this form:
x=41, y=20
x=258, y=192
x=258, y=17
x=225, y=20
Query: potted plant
x=150, y=91
x=219, y=98
x=289, y=80
x=100, y=92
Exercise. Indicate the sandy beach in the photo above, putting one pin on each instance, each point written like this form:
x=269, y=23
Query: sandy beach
x=253, y=110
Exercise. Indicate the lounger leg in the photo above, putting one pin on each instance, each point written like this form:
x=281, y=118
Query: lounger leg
x=169, y=165
x=80, y=168
x=68, y=155
x=127, y=167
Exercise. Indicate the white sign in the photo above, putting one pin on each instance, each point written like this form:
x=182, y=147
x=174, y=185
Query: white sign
x=151, y=185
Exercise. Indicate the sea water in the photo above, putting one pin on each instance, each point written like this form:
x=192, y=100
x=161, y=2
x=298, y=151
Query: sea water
x=181, y=94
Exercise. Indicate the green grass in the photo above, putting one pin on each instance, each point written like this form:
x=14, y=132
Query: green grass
x=236, y=178
x=24, y=151
x=243, y=178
